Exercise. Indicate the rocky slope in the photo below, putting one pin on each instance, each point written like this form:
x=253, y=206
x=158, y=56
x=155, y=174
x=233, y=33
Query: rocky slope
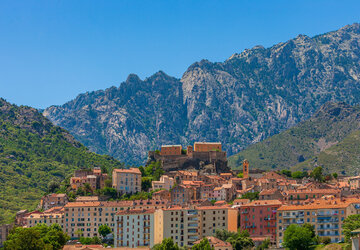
x=306, y=144
x=34, y=152
x=249, y=97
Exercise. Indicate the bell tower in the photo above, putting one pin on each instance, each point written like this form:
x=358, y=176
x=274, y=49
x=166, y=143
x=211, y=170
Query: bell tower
x=246, y=169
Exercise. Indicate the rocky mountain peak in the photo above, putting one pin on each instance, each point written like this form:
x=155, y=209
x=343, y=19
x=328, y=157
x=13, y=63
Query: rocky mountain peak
x=249, y=97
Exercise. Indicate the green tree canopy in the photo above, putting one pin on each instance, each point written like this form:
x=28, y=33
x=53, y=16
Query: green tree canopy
x=38, y=237
x=299, y=237
x=317, y=174
x=203, y=245
x=104, y=230
x=166, y=244
x=351, y=223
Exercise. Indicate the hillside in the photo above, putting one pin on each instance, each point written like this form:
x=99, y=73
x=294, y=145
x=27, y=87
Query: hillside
x=34, y=152
x=243, y=100
x=330, y=136
x=342, y=158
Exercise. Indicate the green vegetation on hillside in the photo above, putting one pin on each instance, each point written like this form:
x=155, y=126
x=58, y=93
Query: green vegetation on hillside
x=328, y=139
x=35, y=153
x=343, y=157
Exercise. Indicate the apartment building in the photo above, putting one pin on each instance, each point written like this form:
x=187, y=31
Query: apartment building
x=127, y=180
x=88, y=216
x=134, y=228
x=259, y=218
x=299, y=196
x=47, y=217
x=187, y=225
x=326, y=215
x=165, y=182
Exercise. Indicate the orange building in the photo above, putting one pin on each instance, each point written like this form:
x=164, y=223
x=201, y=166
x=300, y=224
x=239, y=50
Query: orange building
x=207, y=146
x=170, y=150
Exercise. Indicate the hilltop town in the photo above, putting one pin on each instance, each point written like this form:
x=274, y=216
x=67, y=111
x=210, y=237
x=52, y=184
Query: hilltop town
x=192, y=195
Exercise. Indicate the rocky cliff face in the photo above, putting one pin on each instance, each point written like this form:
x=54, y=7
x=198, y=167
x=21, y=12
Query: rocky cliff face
x=247, y=98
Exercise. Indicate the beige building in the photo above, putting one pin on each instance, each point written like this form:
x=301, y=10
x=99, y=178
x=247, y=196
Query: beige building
x=326, y=215
x=134, y=228
x=187, y=225
x=54, y=215
x=88, y=216
x=165, y=182
x=127, y=180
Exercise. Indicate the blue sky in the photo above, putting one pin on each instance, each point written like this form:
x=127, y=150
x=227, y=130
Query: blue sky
x=50, y=51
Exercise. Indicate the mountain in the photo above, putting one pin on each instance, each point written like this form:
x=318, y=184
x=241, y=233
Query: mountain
x=330, y=138
x=34, y=152
x=243, y=100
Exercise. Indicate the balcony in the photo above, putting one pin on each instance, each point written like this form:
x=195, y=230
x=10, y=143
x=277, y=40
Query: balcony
x=193, y=225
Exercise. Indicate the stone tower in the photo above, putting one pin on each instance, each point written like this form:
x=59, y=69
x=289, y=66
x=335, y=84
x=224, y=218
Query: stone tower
x=246, y=169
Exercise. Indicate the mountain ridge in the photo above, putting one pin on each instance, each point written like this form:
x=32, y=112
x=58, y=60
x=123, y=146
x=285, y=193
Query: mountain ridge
x=243, y=100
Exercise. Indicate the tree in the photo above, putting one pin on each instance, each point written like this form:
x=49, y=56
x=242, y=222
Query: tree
x=238, y=240
x=241, y=240
x=298, y=174
x=264, y=245
x=104, y=230
x=166, y=244
x=325, y=240
x=79, y=233
x=351, y=223
x=28, y=237
x=87, y=188
x=223, y=234
x=251, y=196
x=240, y=175
x=203, y=245
x=55, y=237
x=38, y=237
x=145, y=183
x=317, y=174
x=299, y=238
x=335, y=175
x=286, y=172
x=53, y=186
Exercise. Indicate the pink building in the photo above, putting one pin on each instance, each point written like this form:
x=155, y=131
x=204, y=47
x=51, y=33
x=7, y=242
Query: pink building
x=259, y=218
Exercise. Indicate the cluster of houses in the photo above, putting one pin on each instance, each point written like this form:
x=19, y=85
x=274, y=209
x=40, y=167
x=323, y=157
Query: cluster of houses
x=188, y=205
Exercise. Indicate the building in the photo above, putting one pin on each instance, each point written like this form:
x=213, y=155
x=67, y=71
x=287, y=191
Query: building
x=246, y=169
x=170, y=150
x=271, y=194
x=55, y=215
x=259, y=218
x=165, y=182
x=187, y=225
x=127, y=180
x=325, y=214
x=53, y=200
x=88, y=216
x=134, y=228
x=95, y=178
x=299, y=196
x=217, y=244
x=4, y=232
x=207, y=146
x=182, y=194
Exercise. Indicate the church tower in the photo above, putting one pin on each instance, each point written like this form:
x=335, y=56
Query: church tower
x=246, y=169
